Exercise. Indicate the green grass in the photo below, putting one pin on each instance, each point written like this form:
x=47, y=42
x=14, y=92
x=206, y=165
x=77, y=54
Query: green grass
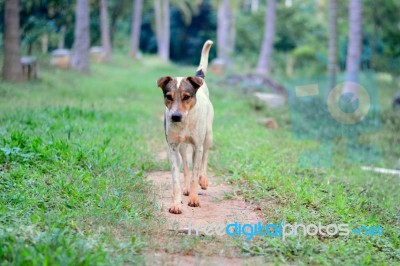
x=75, y=149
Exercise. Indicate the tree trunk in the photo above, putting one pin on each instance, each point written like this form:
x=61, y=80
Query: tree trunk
x=223, y=31
x=61, y=40
x=105, y=30
x=166, y=30
x=12, y=69
x=45, y=43
x=290, y=62
x=157, y=14
x=232, y=32
x=332, y=53
x=355, y=38
x=80, y=50
x=264, y=60
x=30, y=48
x=255, y=4
x=161, y=8
x=353, y=49
x=135, y=29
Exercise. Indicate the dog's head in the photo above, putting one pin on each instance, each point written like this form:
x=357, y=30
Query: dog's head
x=179, y=95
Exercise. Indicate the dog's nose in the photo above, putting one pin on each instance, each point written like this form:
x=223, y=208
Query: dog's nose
x=176, y=117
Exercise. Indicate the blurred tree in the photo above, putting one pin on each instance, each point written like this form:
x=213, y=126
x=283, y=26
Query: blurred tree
x=39, y=18
x=355, y=38
x=223, y=29
x=381, y=36
x=299, y=31
x=118, y=8
x=137, y=7
x=187, y=9
x=254, y=5
x=162, y=17
x=226, y=28
x=45, y=43
x=264, y=61
x=191, y=28
x=34, y=29
x=12, y=69
x=80, y=49
x=61, y=40
x=332, y=53
x=62, y=12
x=105, y=30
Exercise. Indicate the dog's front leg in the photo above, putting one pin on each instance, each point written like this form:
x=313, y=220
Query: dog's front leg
x=193, y=196
x=176, y=185
x=185, y=163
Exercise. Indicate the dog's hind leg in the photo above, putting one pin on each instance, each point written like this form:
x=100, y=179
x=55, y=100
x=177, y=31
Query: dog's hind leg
x=176, y=206
x=203, y=179
x=183, y=151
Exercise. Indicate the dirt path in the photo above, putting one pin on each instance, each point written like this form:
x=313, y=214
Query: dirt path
x=218, y=206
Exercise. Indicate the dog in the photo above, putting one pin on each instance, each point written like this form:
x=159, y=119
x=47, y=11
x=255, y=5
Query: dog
x=188, y=119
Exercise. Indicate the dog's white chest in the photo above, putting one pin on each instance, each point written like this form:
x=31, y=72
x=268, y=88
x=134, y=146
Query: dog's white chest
x=177, y=135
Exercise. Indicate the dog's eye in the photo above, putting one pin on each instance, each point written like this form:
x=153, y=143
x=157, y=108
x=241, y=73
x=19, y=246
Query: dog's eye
x=169, y=97
x=186, y=97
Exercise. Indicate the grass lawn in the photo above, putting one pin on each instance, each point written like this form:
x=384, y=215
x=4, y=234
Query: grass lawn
x=74, y=151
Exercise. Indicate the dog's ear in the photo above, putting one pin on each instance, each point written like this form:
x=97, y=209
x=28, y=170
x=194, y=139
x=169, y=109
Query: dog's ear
x=196, y=82
x=162, y=82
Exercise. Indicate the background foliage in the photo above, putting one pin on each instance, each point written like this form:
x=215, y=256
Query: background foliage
x=301, y=30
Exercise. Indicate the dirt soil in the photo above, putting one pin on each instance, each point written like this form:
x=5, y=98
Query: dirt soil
x=218, y=205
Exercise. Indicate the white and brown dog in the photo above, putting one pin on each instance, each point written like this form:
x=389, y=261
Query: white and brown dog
x=188, y=120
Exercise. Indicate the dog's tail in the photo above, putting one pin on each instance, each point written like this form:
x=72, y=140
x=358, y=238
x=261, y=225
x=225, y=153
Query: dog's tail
x=202, y=69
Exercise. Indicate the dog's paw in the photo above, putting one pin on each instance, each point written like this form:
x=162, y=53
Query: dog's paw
x=194, y=201
x=186, y=192
x=176, y=209
x=203, y=182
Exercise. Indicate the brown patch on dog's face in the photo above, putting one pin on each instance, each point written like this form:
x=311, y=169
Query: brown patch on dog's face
x=179, y=95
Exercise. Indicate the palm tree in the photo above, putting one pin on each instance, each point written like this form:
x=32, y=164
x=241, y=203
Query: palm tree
x=105, y=30
x=161, y=9
x=355, y=38
x=80, y=50
x=226, y=30
x=12, y=69
x=137, y=6
x=224, y=14
x=264, y=61
x=61, y=40
x=332, y=51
